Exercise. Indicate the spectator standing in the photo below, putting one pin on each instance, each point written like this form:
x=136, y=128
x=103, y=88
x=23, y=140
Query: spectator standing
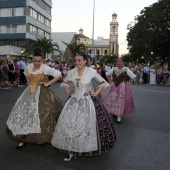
x=152, y=73
x=22, y=66
x=11, y=73
x=145, y=74
x=17, y=72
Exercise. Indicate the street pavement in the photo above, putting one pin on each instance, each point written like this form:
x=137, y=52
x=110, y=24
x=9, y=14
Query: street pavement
x=143, y=138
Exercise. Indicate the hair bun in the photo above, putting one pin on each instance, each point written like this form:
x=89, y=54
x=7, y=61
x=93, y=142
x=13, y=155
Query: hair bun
x=37, y=52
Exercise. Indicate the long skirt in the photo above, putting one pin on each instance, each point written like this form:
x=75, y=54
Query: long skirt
x=119, y=100
x=49, y=108
x=104, y=130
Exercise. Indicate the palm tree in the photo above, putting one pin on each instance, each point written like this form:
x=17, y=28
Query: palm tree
x=44, y=45
x=76, y=48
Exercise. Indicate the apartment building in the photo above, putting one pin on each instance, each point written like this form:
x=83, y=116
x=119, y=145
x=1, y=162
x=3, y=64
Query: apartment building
x=21, y=21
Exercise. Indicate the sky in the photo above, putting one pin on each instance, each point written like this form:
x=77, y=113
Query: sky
x=71, y=15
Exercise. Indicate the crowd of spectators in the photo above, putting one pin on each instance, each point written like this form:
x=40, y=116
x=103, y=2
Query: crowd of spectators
x=11, y=71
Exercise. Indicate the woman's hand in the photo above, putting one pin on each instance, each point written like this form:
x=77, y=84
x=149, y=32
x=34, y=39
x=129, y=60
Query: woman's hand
x=46, y=84
x=70, y=94
x=91, y=93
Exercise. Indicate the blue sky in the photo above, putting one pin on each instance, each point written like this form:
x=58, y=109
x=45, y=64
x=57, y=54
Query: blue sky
x=71, y=15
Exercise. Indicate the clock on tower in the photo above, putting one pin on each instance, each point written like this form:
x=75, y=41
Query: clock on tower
x=113, y=44
x=113, y=38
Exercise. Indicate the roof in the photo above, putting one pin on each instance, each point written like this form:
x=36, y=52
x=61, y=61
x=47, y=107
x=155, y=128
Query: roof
x=114, y=14
x=80, y=36
x=58, y=37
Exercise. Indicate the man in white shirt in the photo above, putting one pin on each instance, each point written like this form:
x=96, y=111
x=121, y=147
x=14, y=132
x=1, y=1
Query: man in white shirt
x=107, y=67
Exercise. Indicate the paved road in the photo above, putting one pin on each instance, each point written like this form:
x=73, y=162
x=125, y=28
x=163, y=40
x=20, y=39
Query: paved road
x=143, y=139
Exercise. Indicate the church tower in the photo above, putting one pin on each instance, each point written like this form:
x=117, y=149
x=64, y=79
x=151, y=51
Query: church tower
x=113, y=44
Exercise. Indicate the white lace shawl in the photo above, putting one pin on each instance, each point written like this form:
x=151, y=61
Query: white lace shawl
x=120, y=71
x=43, y=69
x=88, y=75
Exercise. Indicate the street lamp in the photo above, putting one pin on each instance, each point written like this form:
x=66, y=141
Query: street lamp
x=93, y=28
x=22, y=50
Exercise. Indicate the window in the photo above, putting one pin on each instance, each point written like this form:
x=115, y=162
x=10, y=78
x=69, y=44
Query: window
x=2, y=29
x=9, y=12
x=114, y=29
x=8, y=27
x=47, y=35
x=40, y=33
x=19, y=11
x=33, y=30
x=33, y=13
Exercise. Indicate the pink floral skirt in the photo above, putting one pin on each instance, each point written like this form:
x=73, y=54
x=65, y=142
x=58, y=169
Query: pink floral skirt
x=119, y=100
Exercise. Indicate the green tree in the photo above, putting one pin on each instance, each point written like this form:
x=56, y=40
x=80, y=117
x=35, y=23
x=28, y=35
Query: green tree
x=108, y=59
x=76, y=48
x=46, y=46
x=149, y=34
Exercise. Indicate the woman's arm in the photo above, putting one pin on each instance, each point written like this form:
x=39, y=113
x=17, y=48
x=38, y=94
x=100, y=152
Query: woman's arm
x=130, y=81
x=94, y=94
x=109, y=79
x=28, y=82
x=14, y=68
x=46, y=84
x=67, y=89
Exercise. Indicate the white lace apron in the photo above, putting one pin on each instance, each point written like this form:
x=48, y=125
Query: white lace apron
x=24, y=117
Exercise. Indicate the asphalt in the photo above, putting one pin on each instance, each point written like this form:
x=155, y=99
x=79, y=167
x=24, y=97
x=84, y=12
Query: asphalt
x=143, y=138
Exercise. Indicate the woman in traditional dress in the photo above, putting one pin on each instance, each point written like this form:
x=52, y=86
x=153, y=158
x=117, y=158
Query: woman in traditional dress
x=84, y=127
x=119, y=99
x=35, y=113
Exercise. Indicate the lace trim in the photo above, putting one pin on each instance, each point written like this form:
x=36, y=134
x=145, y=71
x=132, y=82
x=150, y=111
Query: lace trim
x=24, y=117
x=76, y=127
x=39, y=71
x=118, y=71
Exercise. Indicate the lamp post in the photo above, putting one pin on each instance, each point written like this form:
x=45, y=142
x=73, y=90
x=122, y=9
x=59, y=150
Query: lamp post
x=22, y=50
x=93, y=29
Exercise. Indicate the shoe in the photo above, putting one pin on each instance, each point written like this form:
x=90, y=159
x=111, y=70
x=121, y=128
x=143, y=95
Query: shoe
x=70, y=157
x=118, y=119
x=20, y=145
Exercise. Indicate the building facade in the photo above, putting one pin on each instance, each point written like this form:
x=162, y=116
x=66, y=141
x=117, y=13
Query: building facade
x=100, y=47
x=21, y=21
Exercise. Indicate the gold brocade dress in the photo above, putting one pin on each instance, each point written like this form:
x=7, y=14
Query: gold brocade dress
x=35, y=114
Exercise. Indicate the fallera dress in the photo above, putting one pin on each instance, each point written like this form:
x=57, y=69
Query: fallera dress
x=34, y=116
x=84, y=127
x=119, y=99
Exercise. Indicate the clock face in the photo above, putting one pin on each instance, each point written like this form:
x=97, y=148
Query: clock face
x=113, y=38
